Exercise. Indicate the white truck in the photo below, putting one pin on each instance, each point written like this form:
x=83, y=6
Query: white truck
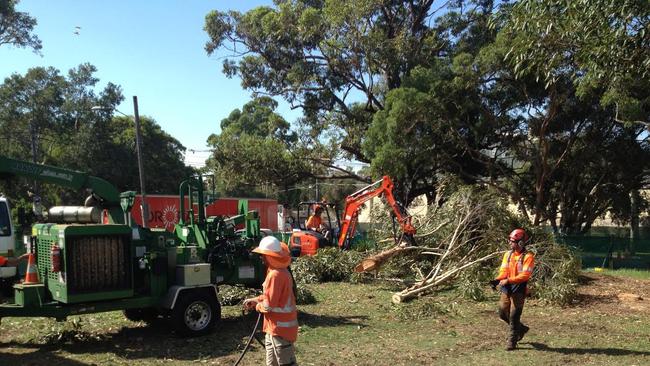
x=7, y=238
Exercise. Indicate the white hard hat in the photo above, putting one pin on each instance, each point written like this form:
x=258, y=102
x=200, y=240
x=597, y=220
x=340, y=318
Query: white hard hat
x=270, y=245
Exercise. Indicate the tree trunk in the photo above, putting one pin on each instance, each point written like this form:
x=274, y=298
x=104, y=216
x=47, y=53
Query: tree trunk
x=33, y=134
x=634, y=220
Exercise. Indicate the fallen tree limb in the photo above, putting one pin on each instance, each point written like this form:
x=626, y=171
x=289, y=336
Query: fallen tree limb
x=428, y=283
x=374, y=262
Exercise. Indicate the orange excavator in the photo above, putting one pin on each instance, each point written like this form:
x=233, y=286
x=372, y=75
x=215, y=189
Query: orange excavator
x=306, y=242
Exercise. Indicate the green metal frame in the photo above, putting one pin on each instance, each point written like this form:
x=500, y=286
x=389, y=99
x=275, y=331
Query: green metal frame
x=107, y=193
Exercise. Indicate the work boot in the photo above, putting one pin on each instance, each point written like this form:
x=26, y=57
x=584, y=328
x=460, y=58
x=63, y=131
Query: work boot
x=522, y=332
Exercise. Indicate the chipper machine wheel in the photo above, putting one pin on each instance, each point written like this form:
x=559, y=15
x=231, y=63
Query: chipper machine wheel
x=195, y=313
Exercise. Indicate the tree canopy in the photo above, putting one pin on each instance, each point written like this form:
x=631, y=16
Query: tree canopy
x=421, y=90
x=48, y=118
x=334, y=59
x=600, y=44
x=16, y=28
x=257, y=150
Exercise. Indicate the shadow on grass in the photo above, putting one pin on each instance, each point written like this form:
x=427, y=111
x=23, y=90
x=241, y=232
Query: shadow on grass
x=36, y=358
x=314, y=320
x=588, y=351
x=585, y=280
x=155, y=342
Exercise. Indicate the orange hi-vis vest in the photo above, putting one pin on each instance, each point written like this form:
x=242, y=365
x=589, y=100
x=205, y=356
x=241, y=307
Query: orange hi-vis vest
x=278, y=304
x=313, y=223
x=517, y=267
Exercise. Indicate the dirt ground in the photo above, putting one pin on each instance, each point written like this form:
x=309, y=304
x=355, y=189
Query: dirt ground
x=355, y=324
x=615, y=295
x=605, y=325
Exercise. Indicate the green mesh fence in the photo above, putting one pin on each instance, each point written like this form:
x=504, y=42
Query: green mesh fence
x=611, y=247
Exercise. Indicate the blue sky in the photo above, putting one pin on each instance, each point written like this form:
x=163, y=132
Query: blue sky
x=153, y=49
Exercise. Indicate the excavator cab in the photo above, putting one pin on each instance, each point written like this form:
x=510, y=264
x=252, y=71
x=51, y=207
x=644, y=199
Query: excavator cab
x=305, y=241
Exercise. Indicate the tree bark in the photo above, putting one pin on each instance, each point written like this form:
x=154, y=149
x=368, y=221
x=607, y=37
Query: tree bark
x=634, y=220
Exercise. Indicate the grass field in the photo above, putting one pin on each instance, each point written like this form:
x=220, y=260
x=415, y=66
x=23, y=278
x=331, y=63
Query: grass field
x=356, y=325
x=626, y=273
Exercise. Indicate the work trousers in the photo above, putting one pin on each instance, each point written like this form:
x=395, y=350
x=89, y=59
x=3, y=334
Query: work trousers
x=510, y=308
x=279, y=351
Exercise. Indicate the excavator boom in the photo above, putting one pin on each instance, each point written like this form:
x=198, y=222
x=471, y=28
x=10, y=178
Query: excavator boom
x=380, y=188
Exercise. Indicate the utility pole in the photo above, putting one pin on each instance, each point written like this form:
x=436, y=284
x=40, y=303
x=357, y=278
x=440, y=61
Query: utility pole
x=138, y=142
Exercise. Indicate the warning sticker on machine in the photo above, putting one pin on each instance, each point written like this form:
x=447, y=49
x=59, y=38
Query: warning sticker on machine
x=246, y=272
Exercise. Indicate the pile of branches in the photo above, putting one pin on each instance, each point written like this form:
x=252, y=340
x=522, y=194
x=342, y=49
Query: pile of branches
x=235, y=295
x=461, y=241
x=328, y=265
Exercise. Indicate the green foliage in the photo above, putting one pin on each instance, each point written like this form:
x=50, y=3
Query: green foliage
x=235, y=295
x=68, y=332
x=42, y=111
x=328, y=265
x=601, y=44
x=304, y=295
x=335, y=59
x=258, y=118
x=428, y=126
x=555, y=277
x=552, y=135
x=16, y=28
x=419, y=94
x=162, y=156
x=257, y=142
x=556, y=267
x=471, y=284
x=48, y=118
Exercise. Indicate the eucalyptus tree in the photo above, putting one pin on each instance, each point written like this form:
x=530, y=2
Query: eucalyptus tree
x=338, y=61
x=16, y=28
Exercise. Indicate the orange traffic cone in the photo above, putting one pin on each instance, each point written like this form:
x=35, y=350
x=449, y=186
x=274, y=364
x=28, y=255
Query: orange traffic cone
x=31, y=277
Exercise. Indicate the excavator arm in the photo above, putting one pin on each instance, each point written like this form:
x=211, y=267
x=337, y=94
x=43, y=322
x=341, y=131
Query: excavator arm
x=380, y=188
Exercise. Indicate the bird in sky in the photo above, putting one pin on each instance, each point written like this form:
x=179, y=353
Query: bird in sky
x=77, y=29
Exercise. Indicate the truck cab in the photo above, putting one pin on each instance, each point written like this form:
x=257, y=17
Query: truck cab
x=7, y=238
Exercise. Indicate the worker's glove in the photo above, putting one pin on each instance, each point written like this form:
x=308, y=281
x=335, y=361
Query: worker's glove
x=494, y=284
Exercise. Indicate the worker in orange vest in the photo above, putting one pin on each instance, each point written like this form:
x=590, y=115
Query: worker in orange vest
x=315, y=222
x=277, y=303
x=515, y=271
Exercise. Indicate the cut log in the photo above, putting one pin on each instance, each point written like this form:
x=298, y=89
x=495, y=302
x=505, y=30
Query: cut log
x=373, y=263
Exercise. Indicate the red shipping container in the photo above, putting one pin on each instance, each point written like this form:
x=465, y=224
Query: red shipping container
x=164, y=210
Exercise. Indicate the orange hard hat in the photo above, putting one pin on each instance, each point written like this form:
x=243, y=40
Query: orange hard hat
x=519, y=236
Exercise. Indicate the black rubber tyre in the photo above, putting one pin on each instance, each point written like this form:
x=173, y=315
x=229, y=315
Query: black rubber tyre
x=195, y=313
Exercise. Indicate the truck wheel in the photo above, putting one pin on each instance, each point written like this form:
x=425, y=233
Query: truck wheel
x=195, y=313
x=148, y=315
